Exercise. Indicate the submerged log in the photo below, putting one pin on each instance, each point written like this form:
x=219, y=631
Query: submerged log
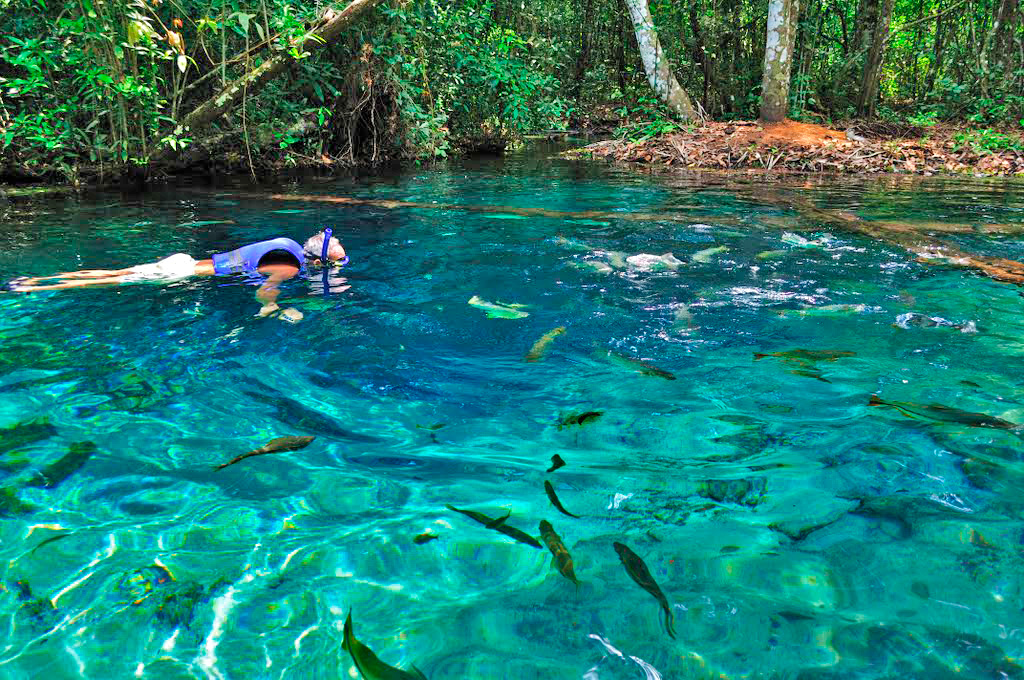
x=926, y=248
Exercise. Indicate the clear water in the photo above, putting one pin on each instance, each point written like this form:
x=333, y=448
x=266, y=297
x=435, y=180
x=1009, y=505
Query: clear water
x=795, y=531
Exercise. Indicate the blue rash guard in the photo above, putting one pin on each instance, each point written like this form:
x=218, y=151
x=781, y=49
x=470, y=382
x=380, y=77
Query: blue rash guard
x=247, y=258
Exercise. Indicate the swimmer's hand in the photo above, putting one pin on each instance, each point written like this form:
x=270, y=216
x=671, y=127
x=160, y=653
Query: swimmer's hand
x=289, y=314
x=268, y=309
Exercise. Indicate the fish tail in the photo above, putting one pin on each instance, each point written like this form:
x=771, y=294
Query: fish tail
x=670, y=624
x=875, y=401
x=759, y=355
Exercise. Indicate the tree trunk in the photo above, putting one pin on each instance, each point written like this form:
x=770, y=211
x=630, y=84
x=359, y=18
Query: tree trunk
x=936, y=65
x=701, y=55
x=656, y=64
x=778, y=59
x=1000, y=37
x=583, y=58
x=253, y=81
x=877, y=34
x=620, y=46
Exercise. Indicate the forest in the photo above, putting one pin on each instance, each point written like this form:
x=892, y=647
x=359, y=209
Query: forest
x=94, y=89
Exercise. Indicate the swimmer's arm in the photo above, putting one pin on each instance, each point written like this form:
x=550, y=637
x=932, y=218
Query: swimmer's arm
x=269, y=291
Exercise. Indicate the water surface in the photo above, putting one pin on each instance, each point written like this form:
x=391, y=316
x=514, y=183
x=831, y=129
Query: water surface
x=795, y=531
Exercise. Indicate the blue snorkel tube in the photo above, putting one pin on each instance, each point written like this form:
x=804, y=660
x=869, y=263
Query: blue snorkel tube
x=325, y=263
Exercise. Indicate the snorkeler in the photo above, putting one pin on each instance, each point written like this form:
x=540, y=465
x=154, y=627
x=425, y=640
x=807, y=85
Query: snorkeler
x=278, y=259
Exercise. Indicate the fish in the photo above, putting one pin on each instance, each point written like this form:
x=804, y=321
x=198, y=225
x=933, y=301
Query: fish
x=654, y=263
x=434, y=427
x=705, y=255
x=204, y=223
x=550, y=490
x=561, y=557
x=805, y=355
x=367, y=663
x=771, y=254
x=425, y=537
x=923, y=321
x=579, y=418
x=593, y=265
x=495, y=523
x=945, y=414
x=51, y=539
x=826, y=310
x=639, y=572
x=799, y=241
x=71, y=462
x=293, y=412
x=638, y=365
x=556, y=462
x=290, y=211
x=25, y=432
x=511, y=532
x=536, y=352
x=277, y=445
x=810, y=373
x=498, y=310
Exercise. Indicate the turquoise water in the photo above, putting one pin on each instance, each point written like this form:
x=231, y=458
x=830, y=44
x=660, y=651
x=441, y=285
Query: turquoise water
x=795, y=531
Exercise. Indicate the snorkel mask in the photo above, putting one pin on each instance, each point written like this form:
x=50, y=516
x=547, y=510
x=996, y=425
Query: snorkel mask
x=327, y=244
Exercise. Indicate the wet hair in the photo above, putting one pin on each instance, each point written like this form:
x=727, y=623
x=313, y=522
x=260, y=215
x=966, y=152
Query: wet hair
x=314, y=245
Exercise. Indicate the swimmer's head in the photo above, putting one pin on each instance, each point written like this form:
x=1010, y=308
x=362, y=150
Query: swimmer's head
x=314, y=248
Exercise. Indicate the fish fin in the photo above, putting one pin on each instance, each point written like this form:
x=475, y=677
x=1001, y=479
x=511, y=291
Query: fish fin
x=417, y=672
x=347, y=634
x=669, y=624
x=875, y=401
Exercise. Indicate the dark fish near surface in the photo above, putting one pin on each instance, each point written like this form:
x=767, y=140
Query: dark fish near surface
x=556, y=462
x=369, y=666
x=425, y=537
x=68, y=464
x=277, y=445
x=922, y=321
x=579, y=419
x=639, y=365
x=495, y=523
x=945, y=414
x=554, y=500
x=292, y=412
x=804, y=355
x=638, y=571
x=536, y=352
x=511, y=532
x=810, y=373
x=25, y=432
x=562, y=559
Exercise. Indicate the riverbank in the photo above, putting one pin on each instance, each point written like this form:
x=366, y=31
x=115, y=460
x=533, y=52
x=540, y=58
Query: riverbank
x=806, y=147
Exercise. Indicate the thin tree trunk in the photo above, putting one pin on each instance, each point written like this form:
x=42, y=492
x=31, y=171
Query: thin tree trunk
x=879, y=36
x=778, y=59
x=656, y=64
x=620, y=46
x=1000, y=37
x=936, y=66
x=254, y=80
x=583, y=58
x=700, y=54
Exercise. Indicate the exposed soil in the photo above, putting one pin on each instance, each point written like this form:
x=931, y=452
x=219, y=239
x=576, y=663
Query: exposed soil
x=808, y=147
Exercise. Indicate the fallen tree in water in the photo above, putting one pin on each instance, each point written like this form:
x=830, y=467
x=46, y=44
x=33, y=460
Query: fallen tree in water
x=927, y=248
x=915, y=238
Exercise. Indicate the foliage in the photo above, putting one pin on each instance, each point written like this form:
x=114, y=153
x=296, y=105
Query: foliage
x=103, y=83
x=986, y=140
